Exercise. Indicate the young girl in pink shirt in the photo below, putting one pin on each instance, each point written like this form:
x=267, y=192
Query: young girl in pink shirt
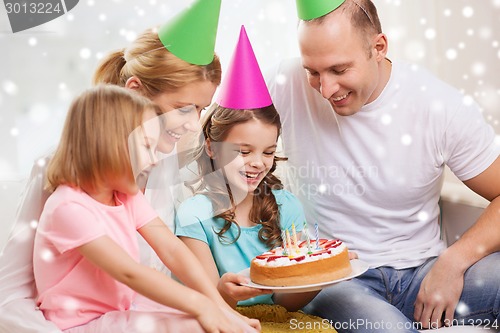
x=86, y=261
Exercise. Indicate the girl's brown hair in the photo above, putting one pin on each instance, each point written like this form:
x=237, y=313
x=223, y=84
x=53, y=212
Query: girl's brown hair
x=93, y=145
x=216, y=124
x=157, y=68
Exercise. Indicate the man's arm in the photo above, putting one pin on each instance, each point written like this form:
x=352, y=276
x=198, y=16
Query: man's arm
x=441, y=288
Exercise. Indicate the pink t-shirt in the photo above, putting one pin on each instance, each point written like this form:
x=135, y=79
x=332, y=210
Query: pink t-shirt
x=71, y=290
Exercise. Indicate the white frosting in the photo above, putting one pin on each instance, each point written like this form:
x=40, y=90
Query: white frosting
x=298, y=252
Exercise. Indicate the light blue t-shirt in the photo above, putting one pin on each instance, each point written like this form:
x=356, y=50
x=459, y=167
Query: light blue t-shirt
x=195, y=220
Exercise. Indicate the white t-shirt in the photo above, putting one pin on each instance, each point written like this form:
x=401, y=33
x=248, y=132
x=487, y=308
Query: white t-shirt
x=373, y=179
x=160, y=193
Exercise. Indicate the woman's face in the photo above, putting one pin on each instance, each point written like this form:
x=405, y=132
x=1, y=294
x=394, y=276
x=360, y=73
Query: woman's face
x=143, y=144
x=183, y=108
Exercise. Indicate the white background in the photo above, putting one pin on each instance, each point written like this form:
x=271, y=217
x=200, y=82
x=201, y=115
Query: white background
x=43, y=68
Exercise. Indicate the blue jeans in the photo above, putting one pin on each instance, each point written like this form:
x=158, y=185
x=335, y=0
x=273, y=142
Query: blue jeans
x=382, y=299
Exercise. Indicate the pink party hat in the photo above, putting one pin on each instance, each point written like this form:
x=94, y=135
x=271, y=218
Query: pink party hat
x=243, y=86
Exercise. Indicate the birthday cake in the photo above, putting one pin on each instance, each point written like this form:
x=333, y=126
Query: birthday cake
x=302, y=264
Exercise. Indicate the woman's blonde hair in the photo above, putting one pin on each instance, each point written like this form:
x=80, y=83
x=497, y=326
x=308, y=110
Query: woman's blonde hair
x=157, y=68
x=216, y=124
x=93, y=145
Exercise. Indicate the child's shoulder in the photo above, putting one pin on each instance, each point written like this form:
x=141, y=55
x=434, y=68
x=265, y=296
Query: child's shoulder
x=283, y=197
x=198, y=199
x=198, y=206
x=65, y=194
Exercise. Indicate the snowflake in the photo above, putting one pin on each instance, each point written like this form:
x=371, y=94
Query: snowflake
x=430, y=33
x=281, y=79
x=468, y=100
x=423, y=216
x=478, y=68
x=386, y=119
x=41, y=162
x=145, y=324
x=47, y=255
x=85, y=53
x=14, y=131
x=406, y=139
x=70, y=304
x=10, y=87
x=462, y=308
x=467, y=12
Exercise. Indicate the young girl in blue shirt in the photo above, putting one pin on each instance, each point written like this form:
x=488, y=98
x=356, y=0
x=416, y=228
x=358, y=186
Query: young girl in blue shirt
x=240, y=207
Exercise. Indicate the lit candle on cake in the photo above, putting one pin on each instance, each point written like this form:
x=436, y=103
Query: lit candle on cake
x=308, y=240
x=284, y=244
x=289, y=243
x=317, y=235
x=294, y=235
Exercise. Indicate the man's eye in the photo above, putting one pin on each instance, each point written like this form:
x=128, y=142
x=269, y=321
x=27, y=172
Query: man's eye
x=312, y=73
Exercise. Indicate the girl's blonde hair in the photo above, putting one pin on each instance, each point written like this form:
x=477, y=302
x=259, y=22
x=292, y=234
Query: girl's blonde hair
x=157, y=68
x=216, y=124
x=93, y=145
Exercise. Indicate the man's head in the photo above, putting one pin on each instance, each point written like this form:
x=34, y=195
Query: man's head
x=344, y=53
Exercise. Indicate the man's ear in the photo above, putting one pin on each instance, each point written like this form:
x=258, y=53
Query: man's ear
x=208, y=149
x=380, y=46
x=134, y=83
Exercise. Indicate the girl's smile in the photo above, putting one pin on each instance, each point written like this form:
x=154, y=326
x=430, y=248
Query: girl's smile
x=248, y=154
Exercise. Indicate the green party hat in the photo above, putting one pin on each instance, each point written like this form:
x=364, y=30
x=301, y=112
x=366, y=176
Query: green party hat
x=190, y=35
x=311, y=9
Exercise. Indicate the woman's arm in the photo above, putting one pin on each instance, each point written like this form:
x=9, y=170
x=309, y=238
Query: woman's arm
x=178, y=258
x=229, y=284
x=184, y=264
x=111, y=258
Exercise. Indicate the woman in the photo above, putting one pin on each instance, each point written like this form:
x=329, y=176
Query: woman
x=182, y=90
x=150, y=69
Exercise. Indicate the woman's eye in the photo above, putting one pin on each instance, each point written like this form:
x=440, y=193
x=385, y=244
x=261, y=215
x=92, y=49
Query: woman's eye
x=269, y=153
x=187, y=109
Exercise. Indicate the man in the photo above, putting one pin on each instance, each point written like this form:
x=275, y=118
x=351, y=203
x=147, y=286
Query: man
x=367, y=147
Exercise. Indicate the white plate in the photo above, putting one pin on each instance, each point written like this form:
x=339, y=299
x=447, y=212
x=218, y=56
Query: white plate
x=358, y=268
